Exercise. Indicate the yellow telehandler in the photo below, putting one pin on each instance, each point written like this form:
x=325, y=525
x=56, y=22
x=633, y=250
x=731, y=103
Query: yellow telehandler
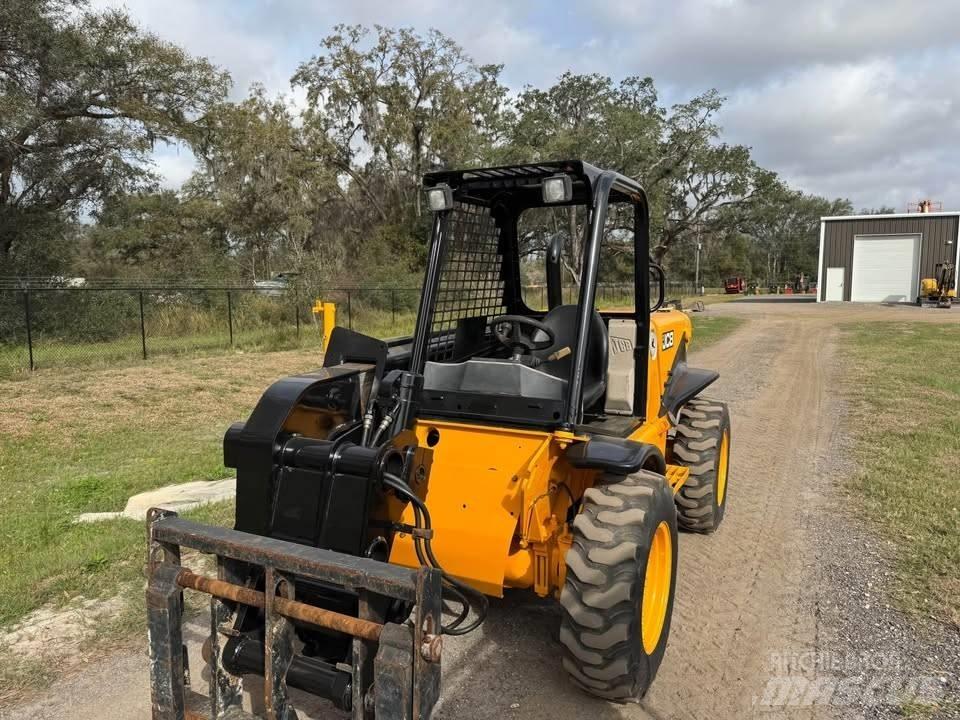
x=382, y=498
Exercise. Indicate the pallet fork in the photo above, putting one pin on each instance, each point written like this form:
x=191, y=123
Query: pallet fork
x=395, y=674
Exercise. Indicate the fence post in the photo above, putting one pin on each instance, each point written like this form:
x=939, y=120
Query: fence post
x=393, y=308
x=296, y=301
x=543, y=298
x=143, y=328
x=230, y=315
x=29, y=318
x=349, y=313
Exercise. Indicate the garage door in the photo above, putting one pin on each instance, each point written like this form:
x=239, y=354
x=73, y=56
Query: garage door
x=885, y=268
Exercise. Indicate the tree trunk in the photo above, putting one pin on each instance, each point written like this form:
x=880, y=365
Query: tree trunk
x=417, y=165
x=659, y=250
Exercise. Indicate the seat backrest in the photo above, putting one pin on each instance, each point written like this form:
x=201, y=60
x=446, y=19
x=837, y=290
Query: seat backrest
x=563, y=321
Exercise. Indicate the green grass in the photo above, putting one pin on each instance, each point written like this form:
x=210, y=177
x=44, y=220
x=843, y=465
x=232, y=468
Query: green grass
x=45, y=556
x=904, y=388
x=707, y=329
x=14, y=359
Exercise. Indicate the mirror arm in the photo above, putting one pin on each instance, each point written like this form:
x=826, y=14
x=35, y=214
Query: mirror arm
x=661, y=283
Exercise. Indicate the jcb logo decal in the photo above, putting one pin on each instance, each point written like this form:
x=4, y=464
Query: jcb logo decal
x=668, y=340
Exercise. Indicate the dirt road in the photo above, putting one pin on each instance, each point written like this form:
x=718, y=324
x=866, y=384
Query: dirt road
x=750, y=599
x=741, y=599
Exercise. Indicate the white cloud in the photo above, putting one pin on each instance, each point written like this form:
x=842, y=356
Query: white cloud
x=853, y=98
x=174, y=163
x=737, y=42
x=879, y=131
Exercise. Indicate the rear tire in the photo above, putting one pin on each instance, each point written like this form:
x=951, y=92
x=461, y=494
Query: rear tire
x=617, y=599
x=702, y=444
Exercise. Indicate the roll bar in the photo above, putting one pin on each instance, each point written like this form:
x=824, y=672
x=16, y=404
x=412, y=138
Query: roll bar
x=606, y=182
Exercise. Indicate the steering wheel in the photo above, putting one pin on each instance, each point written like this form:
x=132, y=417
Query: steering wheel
x=516, y=332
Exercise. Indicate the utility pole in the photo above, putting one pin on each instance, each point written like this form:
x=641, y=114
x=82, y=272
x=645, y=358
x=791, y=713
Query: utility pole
x=696, y=281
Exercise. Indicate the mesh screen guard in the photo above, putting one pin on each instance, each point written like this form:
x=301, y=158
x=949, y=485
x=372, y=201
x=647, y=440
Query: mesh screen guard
x=471, y=278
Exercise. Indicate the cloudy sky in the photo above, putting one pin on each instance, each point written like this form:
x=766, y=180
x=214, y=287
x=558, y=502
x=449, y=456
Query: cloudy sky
x=851, y=98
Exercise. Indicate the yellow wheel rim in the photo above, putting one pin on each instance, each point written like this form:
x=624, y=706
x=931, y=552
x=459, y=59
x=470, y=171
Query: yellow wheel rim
x=656, y=588
x=722, y=467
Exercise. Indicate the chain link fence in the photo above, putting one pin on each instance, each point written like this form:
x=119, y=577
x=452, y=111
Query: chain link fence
x=64, y=327
x=50, y=327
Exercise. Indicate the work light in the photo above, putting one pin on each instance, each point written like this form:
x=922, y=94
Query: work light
x=557, y=189
x=439, y=198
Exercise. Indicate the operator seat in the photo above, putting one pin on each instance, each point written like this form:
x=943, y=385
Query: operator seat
x=563, y=321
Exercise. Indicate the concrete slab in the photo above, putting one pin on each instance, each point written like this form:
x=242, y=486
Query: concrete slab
x=172, y=497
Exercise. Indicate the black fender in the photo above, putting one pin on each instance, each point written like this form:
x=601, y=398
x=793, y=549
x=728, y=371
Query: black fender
x=615, y=455
x=683, y=383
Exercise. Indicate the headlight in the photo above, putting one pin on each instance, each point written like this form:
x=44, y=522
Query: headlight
x=557, y=189
x=439, y=198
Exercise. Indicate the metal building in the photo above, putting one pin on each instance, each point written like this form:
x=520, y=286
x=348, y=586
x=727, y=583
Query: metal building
x=881, y=258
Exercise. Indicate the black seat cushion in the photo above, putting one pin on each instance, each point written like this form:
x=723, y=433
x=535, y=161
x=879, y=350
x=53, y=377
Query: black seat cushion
x=563, y=321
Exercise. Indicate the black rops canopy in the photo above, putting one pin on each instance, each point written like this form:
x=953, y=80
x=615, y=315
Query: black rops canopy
x=520, y=185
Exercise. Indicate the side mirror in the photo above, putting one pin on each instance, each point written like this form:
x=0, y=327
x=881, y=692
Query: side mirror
x=554, y=272
x=658, y=279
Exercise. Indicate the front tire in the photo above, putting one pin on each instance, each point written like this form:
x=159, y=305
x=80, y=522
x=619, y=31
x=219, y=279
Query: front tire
x=617, y=600
x=702, y=444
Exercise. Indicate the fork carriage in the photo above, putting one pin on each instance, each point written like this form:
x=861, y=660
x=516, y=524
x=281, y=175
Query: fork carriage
x=395, y=672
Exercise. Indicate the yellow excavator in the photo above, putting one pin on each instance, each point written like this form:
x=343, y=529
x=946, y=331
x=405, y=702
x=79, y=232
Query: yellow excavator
x=939, y=291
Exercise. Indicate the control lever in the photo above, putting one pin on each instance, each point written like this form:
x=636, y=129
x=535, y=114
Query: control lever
x=555, y=355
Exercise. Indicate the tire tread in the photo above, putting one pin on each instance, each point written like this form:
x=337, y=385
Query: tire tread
x=602, y=651
x=697, y=441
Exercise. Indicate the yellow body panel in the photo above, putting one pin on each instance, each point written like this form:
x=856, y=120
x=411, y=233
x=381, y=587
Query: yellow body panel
x=492, y=496
x=499, y=497
x=669, y=331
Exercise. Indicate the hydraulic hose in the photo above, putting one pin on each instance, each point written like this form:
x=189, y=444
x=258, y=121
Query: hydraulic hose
x=371, y=410
x=459, y=592
x=384, y=424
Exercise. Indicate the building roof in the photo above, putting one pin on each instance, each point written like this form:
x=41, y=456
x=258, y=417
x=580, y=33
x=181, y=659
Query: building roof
x=890, y=216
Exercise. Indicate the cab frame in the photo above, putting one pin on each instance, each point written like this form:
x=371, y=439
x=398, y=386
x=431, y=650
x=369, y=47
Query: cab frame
x=507, y=192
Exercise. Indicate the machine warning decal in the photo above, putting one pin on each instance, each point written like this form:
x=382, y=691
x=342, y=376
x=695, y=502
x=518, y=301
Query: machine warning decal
x=668, y=340
x=653, y=345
